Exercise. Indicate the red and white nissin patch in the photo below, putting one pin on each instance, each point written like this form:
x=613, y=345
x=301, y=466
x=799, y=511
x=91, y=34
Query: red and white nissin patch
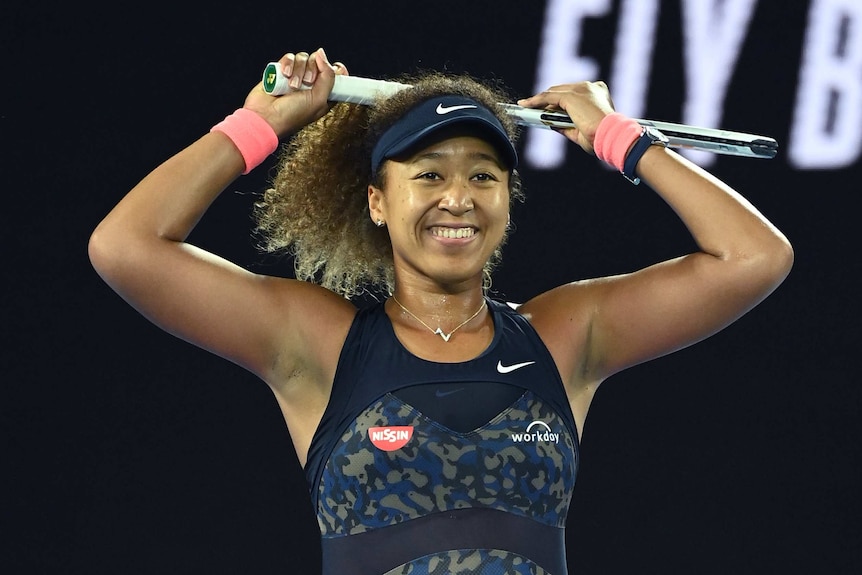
x=390, y=438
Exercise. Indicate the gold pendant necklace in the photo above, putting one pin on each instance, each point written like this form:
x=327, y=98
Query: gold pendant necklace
x=439, y=331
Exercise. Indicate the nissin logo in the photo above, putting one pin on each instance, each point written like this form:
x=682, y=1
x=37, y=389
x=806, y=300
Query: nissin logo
x=390, y=438
x=536, y=431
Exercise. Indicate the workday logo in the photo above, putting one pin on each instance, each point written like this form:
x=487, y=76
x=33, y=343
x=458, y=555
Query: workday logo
x=536, y=431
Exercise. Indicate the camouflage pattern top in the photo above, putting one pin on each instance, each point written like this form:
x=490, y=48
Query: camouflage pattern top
x=432, y=468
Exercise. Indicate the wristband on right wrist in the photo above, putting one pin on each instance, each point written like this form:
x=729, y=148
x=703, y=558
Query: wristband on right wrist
x=251, y=134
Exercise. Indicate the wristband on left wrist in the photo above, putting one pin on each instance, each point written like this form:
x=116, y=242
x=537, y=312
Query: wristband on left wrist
x=649, y=137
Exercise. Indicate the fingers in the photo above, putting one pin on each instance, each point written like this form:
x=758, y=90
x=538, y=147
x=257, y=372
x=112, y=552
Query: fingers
x=297, y=70
x=303, y=68
x=586, y=103
x=593, y=92
x=551, y=97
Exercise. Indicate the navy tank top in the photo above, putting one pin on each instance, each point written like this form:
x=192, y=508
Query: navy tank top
x=444, y=468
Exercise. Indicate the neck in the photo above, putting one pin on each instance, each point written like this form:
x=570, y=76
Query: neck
x=440, y=313
x=440, y=305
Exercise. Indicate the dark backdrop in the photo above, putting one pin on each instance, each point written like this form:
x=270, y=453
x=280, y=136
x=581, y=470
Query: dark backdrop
x=126, y=450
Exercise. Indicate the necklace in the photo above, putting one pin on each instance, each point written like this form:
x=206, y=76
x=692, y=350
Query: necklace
x=439, y=331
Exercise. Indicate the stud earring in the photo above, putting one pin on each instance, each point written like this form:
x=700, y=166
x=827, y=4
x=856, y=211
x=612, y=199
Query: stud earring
x=380, y=223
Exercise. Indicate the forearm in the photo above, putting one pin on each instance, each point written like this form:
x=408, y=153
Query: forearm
x=169, y=202
x=140, y=236
x=722, y=222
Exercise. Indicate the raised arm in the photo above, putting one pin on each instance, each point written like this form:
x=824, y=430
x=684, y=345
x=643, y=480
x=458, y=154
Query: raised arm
x=262, y=323
x=598, y=327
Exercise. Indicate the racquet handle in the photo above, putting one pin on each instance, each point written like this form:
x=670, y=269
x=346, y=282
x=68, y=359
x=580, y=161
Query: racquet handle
x=352, y=89
x=366, y=91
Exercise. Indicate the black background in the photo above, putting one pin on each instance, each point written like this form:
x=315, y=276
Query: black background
x=126, y=450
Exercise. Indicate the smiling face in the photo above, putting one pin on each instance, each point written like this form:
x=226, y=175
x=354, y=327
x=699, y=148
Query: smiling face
x=446, y=206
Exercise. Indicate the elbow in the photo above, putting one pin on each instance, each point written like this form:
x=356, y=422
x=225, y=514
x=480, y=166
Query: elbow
x=98, y=251
x=760, y=266
x=773, y=264
x=788, y=257
x=104, y=252
x=782, y=257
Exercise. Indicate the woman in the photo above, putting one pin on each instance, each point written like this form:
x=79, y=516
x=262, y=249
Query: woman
x=439, y=428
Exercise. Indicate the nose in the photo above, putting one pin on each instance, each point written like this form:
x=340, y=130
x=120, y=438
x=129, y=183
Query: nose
x=457, y=198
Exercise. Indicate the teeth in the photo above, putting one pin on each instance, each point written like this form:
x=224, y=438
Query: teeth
x=453, y=232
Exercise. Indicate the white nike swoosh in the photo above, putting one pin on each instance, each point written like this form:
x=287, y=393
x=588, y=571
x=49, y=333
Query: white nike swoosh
x=510, y=368
x=441, y=110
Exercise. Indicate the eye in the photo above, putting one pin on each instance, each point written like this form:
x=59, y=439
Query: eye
x=428, y=176
x=485, y=177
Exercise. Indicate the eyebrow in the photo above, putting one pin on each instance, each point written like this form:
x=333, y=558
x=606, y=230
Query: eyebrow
x=471, y=155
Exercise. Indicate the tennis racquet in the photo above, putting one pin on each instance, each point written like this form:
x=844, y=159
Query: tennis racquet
x=366, y=91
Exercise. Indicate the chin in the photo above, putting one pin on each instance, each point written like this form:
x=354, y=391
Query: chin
x=449, y=272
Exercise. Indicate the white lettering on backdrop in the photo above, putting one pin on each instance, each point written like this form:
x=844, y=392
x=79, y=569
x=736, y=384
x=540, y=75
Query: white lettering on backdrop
x=827, y=127
x=826, y=130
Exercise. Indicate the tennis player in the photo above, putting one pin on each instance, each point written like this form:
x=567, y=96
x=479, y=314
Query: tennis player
x=438, y=428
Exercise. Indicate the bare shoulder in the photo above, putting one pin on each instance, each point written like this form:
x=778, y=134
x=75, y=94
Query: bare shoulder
x=563, y=317
x=571, y=303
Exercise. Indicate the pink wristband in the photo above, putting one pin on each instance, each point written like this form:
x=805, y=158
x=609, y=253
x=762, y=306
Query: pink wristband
x=252, y=135
x=614, y=136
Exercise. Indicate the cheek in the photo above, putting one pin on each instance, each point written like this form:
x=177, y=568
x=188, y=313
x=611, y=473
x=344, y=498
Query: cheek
x=500, y=204
x=401, y=207
x=407, y=203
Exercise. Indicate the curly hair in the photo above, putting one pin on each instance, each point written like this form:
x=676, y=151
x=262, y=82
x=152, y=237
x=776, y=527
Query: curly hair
x=316, y=209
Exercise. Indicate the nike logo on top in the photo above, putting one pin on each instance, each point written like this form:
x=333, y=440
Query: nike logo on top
x=442, y=110
x=510, y=368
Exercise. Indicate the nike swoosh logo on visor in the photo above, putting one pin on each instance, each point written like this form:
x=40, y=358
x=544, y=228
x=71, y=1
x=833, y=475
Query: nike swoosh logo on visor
x=441, y=110
x=510, y=368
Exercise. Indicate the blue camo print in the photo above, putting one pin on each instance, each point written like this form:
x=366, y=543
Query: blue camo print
x=364, y=488
x=470, y=562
